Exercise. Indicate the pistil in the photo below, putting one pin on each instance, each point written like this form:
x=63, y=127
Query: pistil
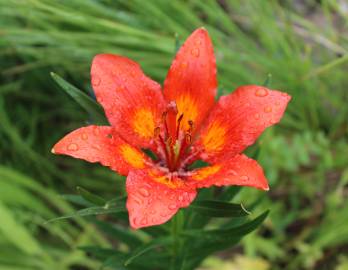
x=172, y=141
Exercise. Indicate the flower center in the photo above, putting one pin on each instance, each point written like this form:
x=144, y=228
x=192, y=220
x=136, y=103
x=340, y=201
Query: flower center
x=171, y=139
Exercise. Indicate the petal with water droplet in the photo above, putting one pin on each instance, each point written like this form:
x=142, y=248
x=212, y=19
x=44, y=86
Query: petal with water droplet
x=127, y=95
x=239, y=170
x=93, y=144
x=154, y=209
x=191, y=80
x=238, y=120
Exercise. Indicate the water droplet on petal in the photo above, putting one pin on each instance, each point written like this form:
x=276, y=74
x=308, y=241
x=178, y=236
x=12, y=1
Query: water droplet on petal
x=261, y=92
x=195, y=52
x=233, y=172
x=73, y=147
x=84, y=136
x=144, y=192
x=143, y=221
x=180, y=198
x=257, y=116
x=152, y=212
x=135, y=221
x=95, y=80
x=154, y=220
x=172, y=207
x=183, y=65
x=96, y=131
x=277, y=103
x=198, y=42
x=267, y=109
x=137, y=200
x=244, y=178
x=96, y=147
x=164, y=214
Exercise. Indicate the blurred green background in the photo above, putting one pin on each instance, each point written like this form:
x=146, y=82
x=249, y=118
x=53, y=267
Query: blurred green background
x=303, y=44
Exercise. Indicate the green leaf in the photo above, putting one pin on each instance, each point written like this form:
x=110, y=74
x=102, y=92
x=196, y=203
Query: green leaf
x=86, y=102
x=219, y=209
x=198, y=164
x=229, y=234
x=98, y=252
x=177, y=43
x=147, y=247
x=109, y=208
x=92, y=198
x=229, y=193
x=120, y=233
x=268, y=81
x=17, y=234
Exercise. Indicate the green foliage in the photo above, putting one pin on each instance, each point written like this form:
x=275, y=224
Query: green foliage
x=303, y=44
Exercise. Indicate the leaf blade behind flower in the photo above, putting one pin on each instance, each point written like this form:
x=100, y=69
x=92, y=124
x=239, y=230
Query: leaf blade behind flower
x=86, y=102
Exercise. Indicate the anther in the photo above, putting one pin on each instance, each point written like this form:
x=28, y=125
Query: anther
x=190, y=123
x=156, y=131
x=178, y=125
x=188, y=138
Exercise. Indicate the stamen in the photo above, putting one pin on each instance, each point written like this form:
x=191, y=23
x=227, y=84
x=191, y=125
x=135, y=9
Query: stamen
x=190, y=123
x=164, y=116
x=188, y=138
x=156, y=132
x=173, y=144
x=178, y=125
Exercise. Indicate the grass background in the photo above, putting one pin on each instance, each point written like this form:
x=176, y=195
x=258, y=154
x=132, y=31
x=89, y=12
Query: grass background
x=303, y=44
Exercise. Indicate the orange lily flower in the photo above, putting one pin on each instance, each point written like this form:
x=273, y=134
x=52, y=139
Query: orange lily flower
x=180, y=124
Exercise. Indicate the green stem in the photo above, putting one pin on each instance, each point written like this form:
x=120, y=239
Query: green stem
x=176, y=227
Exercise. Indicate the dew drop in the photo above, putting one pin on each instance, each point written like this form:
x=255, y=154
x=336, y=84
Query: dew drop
x=144, y=192
x=143, y=221
x=267, y=109
x=152, y=212
x=84, y=136
x=261, y=92
x=180, y=198
x=95, y=80
x=164, y=214
x=257, y=116
x=73, y=147
x=277, y=103
x=233, y=172
x=172, y=207
x=198, y=42
x=135, y=221
x=244, y=178
x=96, y=131
x=154, y=220
x=195, y=52
x=183, y=65
x=96, y=147
x=138, y=201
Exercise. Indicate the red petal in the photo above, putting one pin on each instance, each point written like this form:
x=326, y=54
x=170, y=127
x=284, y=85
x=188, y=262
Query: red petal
x=132, y=102
x=239, y=171
x=151, y=201
x=238, y=119
x=101, y=144
x=191, y=80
